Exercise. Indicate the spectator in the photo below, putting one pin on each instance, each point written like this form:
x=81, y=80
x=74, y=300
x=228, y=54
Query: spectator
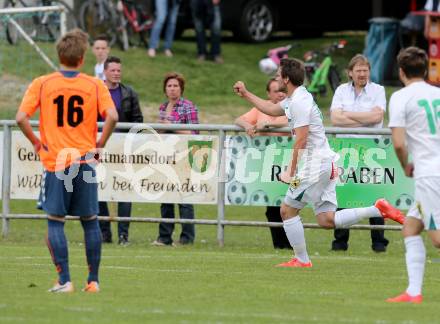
x=207, y=12
x=359, y=103
x=254, y=121
x=176, y=110
x=127, y=104
x=165, y=11
x=411, y=27
x=101, y=50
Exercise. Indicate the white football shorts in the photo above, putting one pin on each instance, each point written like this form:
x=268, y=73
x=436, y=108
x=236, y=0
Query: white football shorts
x=317, y=189
x=427, y=202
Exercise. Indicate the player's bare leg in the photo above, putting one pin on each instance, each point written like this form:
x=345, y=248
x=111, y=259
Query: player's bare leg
x=435, y=238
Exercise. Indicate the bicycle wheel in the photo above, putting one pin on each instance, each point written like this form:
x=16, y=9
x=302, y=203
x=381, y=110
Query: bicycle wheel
x=310, y=69
x=51, y=20
x=137, y=15
x=97, y=18
x=26, y=21
x=137, y=39
x=11, y=31
x=146, y=22
x=333, y=78
x=123, y=39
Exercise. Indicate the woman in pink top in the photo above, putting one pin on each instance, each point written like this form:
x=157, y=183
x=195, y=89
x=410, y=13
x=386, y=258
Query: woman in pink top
x=176, y=110
x=253, y=122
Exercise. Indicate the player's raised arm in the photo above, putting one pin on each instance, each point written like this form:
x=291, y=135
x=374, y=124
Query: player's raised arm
x=263, y=105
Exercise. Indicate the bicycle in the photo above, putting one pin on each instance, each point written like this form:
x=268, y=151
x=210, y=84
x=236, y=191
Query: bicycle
x=120, y=21
x=138, y=20
x=318, y=73
x=98, y=17
x=42, y=26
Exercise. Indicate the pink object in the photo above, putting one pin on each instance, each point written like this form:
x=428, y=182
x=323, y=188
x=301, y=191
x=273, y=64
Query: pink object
x=276, y=54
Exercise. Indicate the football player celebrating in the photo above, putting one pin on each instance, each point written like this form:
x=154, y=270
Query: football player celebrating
x=311, y=174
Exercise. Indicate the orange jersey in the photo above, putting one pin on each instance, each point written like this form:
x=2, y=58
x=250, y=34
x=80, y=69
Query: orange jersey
x=254, y=116
x=69, y=108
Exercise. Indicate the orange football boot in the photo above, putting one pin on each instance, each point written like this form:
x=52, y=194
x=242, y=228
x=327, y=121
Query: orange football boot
x=92, y=287
x=389, y=211
x=295, y=263
x=405, y=298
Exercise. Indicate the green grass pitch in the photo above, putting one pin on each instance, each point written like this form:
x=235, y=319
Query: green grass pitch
x=208, y=284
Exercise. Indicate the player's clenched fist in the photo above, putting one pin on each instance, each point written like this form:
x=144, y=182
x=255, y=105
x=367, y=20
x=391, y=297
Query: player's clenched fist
x=239, y=88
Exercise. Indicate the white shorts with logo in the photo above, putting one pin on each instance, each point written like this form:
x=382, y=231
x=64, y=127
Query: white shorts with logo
x=318, y=190
x=427, y=202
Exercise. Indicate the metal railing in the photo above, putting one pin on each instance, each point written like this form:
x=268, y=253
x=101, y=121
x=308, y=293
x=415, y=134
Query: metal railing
x=220, y=222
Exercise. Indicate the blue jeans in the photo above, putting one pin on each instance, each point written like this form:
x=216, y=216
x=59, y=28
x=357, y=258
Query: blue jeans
x=205, y=13
x=161, y=16
x=186, y=211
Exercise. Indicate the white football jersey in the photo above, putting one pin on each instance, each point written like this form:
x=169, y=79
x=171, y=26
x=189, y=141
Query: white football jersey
x=417, y=109
x=99, y=71
x=301, y=110
x=372, y=95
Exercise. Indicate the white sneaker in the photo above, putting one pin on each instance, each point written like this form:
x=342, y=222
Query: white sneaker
x=160, y=243
x=151, y=52
x=168, y=53
x=66, y=288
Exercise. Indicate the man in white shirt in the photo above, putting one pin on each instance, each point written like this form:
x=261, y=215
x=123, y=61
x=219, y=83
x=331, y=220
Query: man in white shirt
x=359, y=103
x=101, y=50
x=415, y=126
x=311, y=174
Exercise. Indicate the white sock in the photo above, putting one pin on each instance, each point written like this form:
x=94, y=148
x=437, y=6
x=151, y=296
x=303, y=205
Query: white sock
x=347, y=217
x=295, y=234
x=415, y=264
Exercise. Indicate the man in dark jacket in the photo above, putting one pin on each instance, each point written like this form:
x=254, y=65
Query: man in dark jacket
x=127, y=104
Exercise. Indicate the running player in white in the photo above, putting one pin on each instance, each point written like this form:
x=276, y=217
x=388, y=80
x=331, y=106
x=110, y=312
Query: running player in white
x=415, y=125
x=312, y=173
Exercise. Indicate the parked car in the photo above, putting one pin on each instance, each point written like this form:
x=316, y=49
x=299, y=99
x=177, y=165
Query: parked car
x=256, y=20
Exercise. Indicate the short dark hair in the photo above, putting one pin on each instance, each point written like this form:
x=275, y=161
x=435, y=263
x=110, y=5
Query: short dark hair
x=111, y=59
x=294, y=70
x=413, y=61
x=101, y=37
x=178, y=77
